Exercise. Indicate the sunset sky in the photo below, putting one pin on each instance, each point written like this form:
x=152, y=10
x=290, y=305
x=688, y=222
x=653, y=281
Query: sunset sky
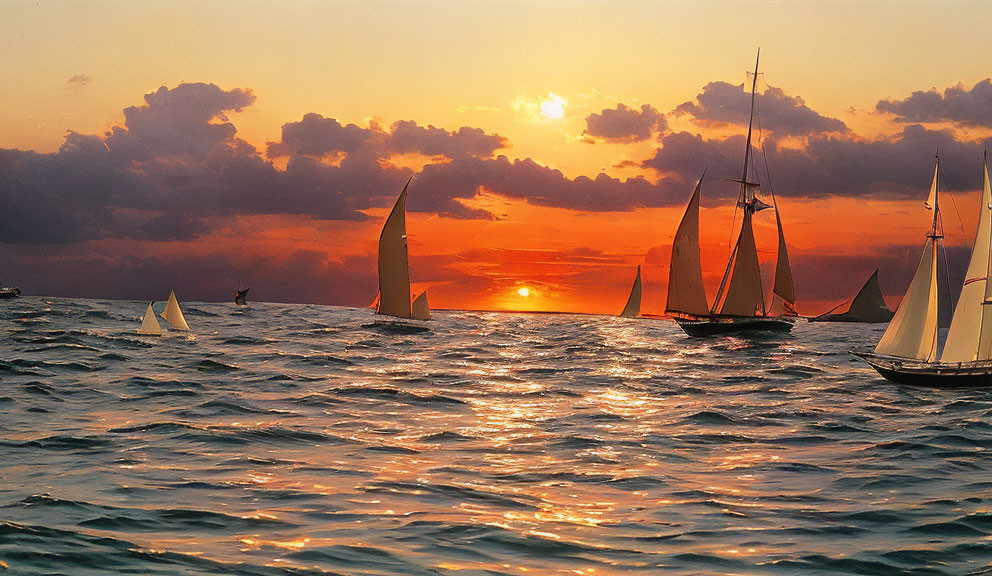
x=149, y=146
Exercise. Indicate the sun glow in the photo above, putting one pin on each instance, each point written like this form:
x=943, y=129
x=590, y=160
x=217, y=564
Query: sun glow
x=553, y=107
x=524, y=292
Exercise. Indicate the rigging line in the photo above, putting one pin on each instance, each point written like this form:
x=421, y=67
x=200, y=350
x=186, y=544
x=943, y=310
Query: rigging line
x=947, y=190
x=947, y=276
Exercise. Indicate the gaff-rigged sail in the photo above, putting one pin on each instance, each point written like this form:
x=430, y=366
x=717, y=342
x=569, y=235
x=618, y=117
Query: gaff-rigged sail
x=912, y=333
x=394, y=271
x=633, y=307
x=686, y=294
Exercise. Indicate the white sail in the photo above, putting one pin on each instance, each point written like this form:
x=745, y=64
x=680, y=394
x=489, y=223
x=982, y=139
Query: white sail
x=686, y=294
x=744, y=296
x=912, y=333
x=784, y=292
x=633, y=307
x=173, y=315
x=149, y=324
x=420, y=309
x=394, y=271
x=966, y=324
x=932, y=197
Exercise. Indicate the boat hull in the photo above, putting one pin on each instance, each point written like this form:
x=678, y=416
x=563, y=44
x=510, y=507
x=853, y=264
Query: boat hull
x=735, y=325
x=930, y=374
x=9, y=292
x=397, y=325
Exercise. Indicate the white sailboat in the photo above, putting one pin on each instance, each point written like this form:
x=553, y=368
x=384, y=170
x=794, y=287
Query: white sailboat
x=633, y=307
x=740, y=304
x=393, y=300
x=173, y=315
x=907, y=351
x=149, y=324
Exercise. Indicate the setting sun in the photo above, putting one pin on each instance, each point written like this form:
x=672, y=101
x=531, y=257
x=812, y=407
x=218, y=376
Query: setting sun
x=524, y=292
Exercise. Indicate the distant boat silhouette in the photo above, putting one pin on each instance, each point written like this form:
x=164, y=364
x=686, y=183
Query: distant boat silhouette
x=739, y=306
x=9, y=291
x=867, y=306
x=393, y=300
x=173, y=315
x=633, y=307
x=240, y=297
x=149, y=324
x=907, y=351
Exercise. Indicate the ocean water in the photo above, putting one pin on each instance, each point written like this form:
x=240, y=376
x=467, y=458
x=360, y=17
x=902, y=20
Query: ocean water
x=292, y=439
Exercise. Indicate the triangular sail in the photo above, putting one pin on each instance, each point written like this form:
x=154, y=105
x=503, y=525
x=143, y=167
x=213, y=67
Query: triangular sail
x=241, y=298
x=633, y=307
x=394, y=271
x=686, y=294
x=784, y=293
x=869, y=304
x=744, y=296
x=912, y=333
x=420, y=309
x=173, y=315
x=966, y=324
x=149, y=324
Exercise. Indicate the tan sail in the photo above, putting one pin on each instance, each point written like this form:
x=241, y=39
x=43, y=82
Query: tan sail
x=173, y=315
x=394, y=271
x=633, y=307
x=421, y=310
x=966, y=324
x=912, y=333
x=149, y=324
x=784, y=293
x=686, y=294
x=744, y=293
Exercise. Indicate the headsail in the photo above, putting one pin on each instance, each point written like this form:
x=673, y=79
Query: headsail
x=912, y=333
x=633, y=307
x=686, y=294
x=784, y=293
x=173, y=315
x=149, y=324
x=420, y=309
x=967, y=323
x=743, y=296
x=394, y=271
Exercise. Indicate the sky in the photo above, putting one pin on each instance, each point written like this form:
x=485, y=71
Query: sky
x=553, y=145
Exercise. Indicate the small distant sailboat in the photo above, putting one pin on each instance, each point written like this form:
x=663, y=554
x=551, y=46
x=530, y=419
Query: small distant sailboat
x=907, y=351
x=173, y=315
x=868, y=306
x=9, y=291
x=149, y=324
x=739, y=307
x=241, y=297
x=633, y=307
x=393, y=299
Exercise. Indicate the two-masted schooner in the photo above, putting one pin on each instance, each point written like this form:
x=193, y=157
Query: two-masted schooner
x=393, y=305
x=739, y=306
x=908, y=350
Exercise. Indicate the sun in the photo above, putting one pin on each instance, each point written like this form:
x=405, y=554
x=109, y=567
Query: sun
x=553, y=107
x=524, y=292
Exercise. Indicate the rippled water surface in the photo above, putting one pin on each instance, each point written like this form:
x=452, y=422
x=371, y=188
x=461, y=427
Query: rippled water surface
x=290, y=439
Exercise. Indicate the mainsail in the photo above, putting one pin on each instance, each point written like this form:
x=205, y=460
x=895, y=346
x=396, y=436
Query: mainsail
x=633, y=307
x=394, y=271
x=867, y=306
x=173, y=315
x=686, y=294
x=784, y=293
x=420, y=309
x=149, y=324
x=967, y=323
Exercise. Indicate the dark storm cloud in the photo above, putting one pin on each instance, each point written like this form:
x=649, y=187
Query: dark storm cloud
x=724, y=103
x=623, y=124
x=957, y=104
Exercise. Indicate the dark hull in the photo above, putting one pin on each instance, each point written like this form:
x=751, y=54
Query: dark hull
x=848, y=318
x=394, y=325
x=9, y=292
x=931, y=374
x=733, y=325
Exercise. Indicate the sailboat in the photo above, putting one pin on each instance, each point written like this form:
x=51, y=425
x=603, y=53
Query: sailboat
x=173, y=315
x=907, y=351
x=241, y=297
x=739, y=306
x=149, y=324
x=868, y=306
x=633, y=307
x=393, y=305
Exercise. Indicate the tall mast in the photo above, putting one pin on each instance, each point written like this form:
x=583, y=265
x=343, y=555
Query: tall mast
x=747, y=149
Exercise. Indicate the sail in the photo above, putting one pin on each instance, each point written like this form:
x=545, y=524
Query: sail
x=932, y=197
x=420, y=309
x=985, y=338
x=869, y=304
x=686, y=294
x=241, y=297
x=149, y=324
x=173, y=315
x=394, y=271
x=912, y=333
x=633, y=307
x=744, y=293
x=966, y=324
x=784, y=293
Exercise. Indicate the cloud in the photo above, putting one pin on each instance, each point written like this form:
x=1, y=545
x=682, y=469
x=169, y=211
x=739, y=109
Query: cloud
x=623, y=124
x=78, y=81
x=724, y=103
x=957, y=104
x=317, y=136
